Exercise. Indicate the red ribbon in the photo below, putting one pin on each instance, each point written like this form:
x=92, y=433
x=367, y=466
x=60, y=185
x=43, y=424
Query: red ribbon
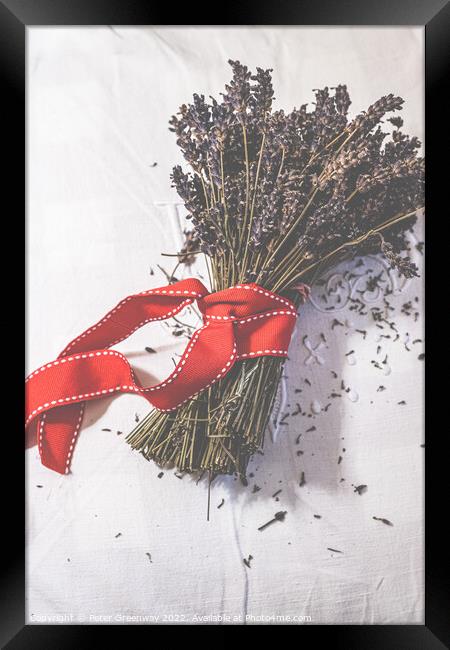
x=238, y=323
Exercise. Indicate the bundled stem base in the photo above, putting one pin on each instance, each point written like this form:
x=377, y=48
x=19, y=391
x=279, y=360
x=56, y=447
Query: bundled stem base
x=218, y=430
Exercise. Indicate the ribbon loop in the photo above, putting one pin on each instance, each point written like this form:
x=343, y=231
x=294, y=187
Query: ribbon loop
x=240, y=322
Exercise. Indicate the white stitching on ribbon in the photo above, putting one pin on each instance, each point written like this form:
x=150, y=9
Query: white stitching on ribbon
x=180, y=365
x=147, y=320
x=83, y=355
x=250, y=318
x=74, y=437
x=221, y=373
x=269, y=294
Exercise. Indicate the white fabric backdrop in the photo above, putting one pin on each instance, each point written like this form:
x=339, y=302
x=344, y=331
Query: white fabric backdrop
x=99, y=215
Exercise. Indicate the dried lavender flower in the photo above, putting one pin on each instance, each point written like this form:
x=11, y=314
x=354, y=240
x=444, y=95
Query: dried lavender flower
x=190, y=248
x=237, y=93
x=261, y=97
x=403, y=264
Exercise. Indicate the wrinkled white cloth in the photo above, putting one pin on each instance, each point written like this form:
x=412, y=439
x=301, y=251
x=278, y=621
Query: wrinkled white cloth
x=112, y=542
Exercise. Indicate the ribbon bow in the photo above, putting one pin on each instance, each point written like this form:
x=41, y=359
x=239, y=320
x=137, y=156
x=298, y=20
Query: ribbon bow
x=240, y=322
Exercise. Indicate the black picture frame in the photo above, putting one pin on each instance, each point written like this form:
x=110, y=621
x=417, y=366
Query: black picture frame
x=15, y=17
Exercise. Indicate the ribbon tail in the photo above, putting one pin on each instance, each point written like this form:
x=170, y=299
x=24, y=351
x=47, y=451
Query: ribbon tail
x=57, y=431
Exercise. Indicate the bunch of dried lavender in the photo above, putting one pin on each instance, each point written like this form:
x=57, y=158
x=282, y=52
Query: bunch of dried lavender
x=278, y=199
